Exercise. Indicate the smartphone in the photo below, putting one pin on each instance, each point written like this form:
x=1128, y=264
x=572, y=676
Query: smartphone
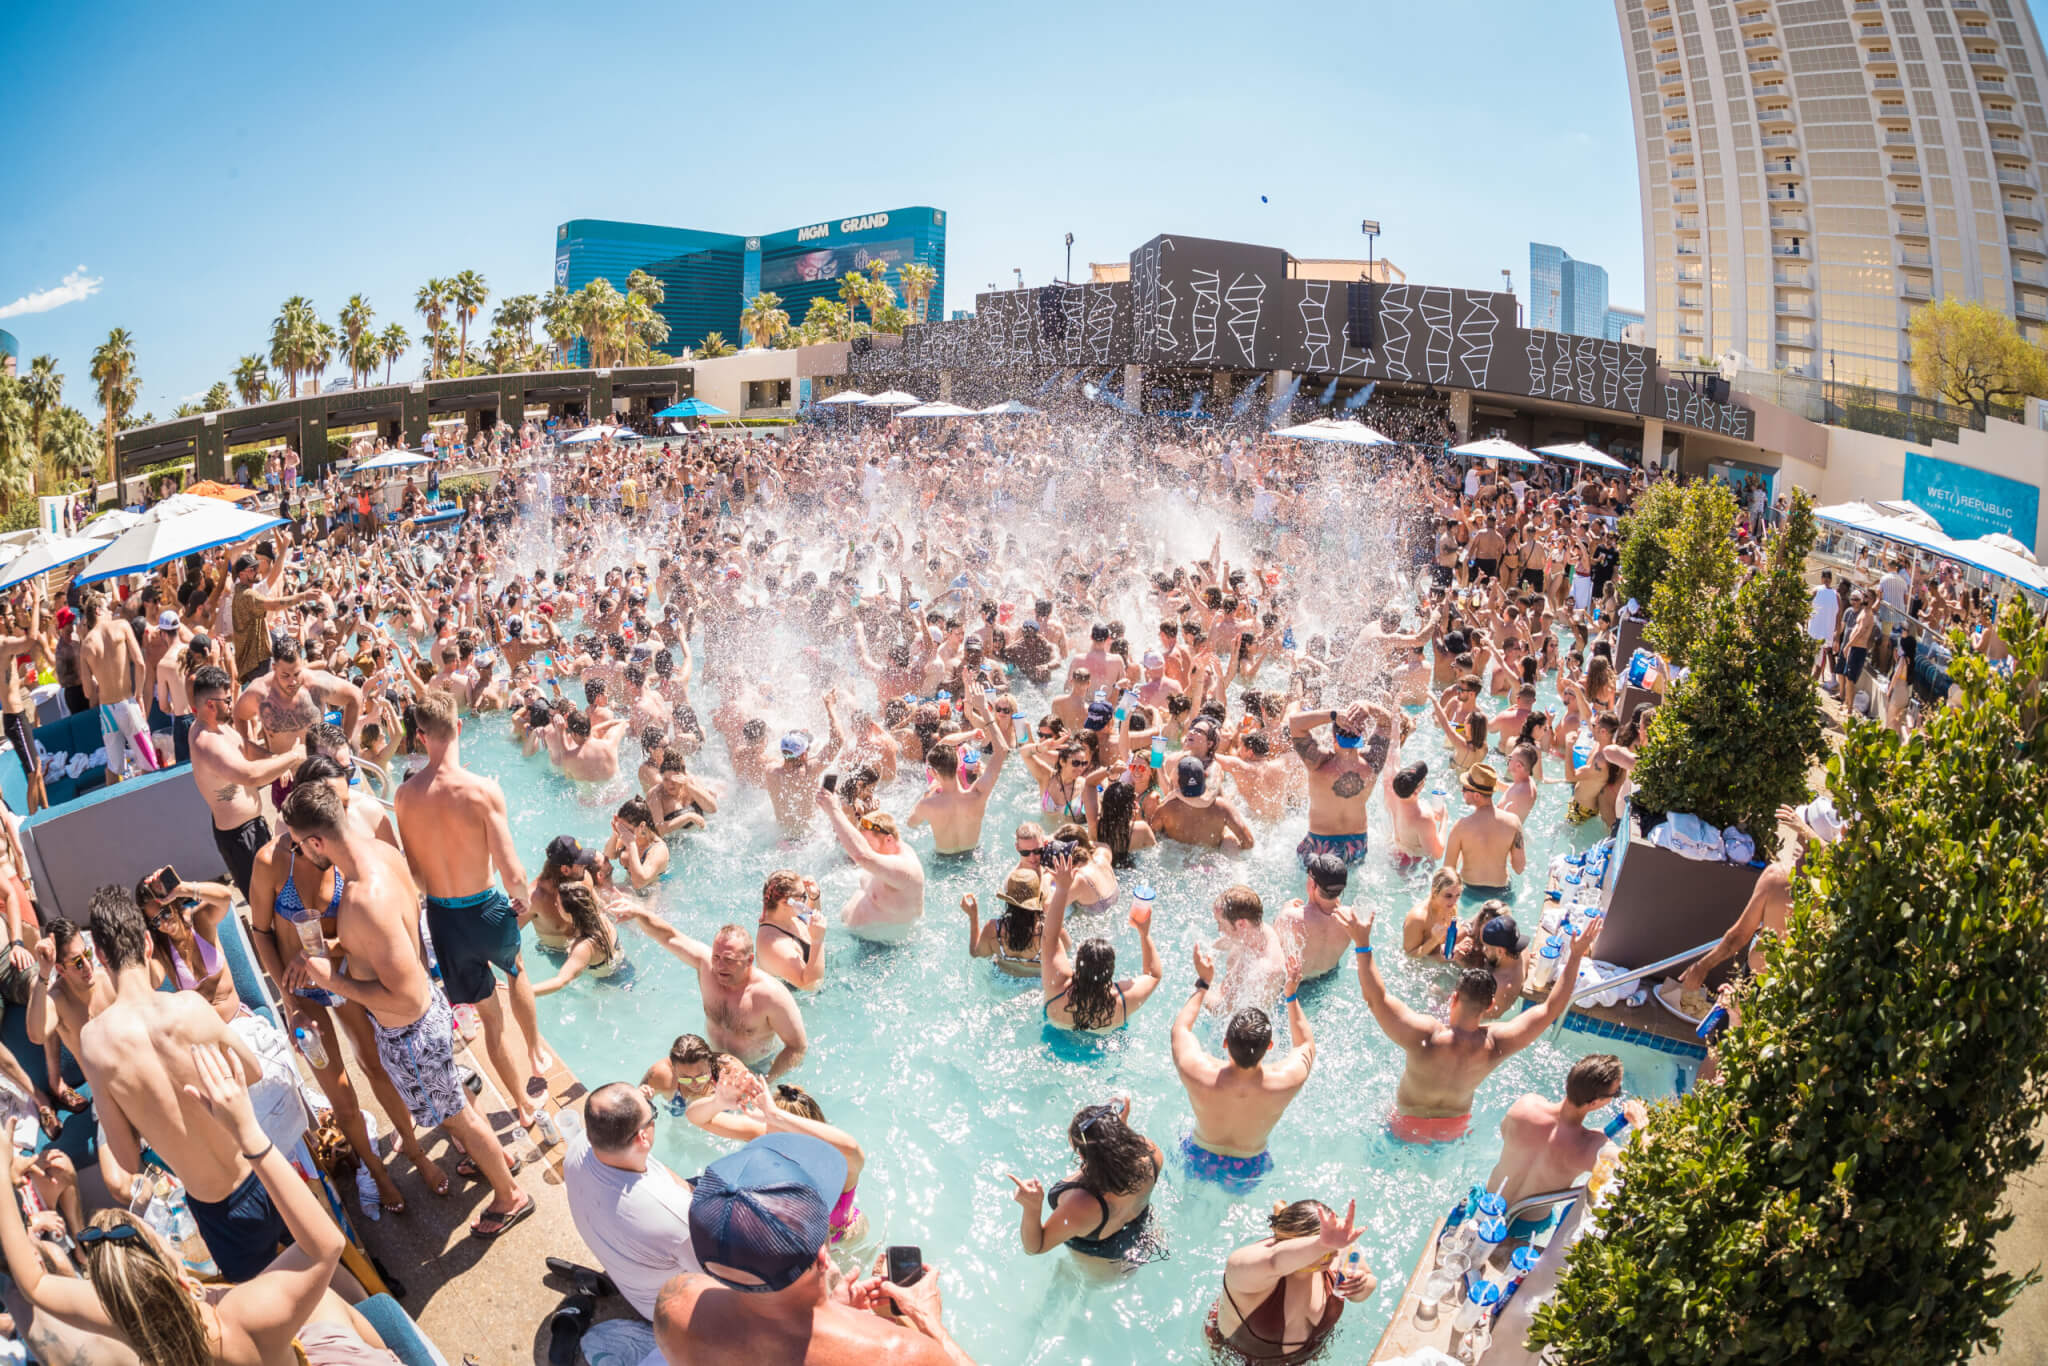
x=906, y=1264
x=831, y=782
x=166, y=879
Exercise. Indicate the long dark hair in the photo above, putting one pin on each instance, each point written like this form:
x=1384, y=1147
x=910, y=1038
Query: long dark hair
x=1115, y=1158
x=1021, y=927
x=1091, y=996
x=579, y=904
x=1119, y=802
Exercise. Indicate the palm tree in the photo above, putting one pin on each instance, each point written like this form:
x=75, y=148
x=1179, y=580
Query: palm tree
x=827, y=320
x=599, y=313
x=320, y=354
x=517, y=315
x=558, y=312
x=72, y=448
x=369, y=354
x=468, y=292
x=184, y=409
x=294, y=336
x=113, y=371
x=644, y=329
x=392, y=342
x=918, y=280
x=763, y=320
x=17, y=454
x=714, y=345
x=219, y=396
x=855, y=289
x=43, y=389
x=248, y=377
x=356, y=316
x=271, y=391
x=430, y=303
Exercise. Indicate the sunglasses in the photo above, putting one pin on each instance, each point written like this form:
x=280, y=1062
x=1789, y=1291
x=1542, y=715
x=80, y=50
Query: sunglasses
x=119, y=1233
x=82, y=960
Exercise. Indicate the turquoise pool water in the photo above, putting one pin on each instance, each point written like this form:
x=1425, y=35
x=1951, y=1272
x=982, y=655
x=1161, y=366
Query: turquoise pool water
x=943, y=1069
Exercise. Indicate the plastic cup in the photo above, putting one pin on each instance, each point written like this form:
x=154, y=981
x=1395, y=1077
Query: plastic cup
x=1141, y=906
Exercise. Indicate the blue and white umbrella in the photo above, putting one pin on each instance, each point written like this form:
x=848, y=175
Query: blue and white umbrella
x=692, y=407
x=392, y=460
x=45, y=552
x=180, y=525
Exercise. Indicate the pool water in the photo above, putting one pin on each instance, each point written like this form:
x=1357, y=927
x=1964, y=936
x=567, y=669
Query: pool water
x=945, y=1072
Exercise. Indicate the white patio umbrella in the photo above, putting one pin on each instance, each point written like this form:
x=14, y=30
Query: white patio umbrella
x=891, y=398
x=845, y=396
x=111, y=523
x=1911, y=511
x=1987, y=555
x=1009, y=406
x=590, y=434
x=45, y=552
x=938, y=410
x=180, y=525
x=1998, y=540
x=1580, y=453
x=1343, y=431
x=1496, y=448
x=392, y=460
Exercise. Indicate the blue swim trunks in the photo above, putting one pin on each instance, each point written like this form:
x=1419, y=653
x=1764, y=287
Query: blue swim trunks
x=1238, y=1175
x=1350, y=848
x=472, y=934
x=1528, y=1230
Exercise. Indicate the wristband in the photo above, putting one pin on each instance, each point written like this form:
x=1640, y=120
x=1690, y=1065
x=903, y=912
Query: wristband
x=1290, y=998
x=1201, y=984
x=253, y=1158
x=1362, y=949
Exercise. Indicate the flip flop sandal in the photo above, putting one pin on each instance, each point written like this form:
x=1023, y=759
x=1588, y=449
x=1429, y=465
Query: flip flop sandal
x=466, y=1169
x=46, y=1114
x=566, y=1327
x=500, y=1222
x=70, y=1100
x=593, y=1283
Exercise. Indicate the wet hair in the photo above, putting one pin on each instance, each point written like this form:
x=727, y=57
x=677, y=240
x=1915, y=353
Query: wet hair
x=784, y=884
x=1592, y=1078
x=1475, y=728
x=633, y=811
x=1092, y=996
x=578, y=723
x=1240, y=903
x=319, y=769
x=1302, y=1219
x=1119, y=803
x=324, y=737
x=1248, y=1036
x=1476, y=985
x=312, y=809
x=1442, y=880
x=942, y=758
x=118, y=934
x=614, y=1116
x=579, y=904
x=284, y=650
x=688, y=1049
x=1115, y=1158
x=794, y=1100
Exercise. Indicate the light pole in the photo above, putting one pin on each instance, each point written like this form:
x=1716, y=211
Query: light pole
x=1507, y=282
x=1371, y=228
x=1069, y=277
x=1020, y=275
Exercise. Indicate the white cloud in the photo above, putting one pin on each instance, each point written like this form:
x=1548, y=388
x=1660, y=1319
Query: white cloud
x=77, y=285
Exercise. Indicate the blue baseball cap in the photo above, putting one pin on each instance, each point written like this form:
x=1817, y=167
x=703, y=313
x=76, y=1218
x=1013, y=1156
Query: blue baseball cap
x=759, y=1217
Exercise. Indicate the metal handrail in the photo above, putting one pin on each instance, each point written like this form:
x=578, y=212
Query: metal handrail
x=1543, y=1200
x=1637, y=974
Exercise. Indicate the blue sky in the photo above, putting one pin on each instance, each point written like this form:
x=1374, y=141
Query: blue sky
x=187, y=171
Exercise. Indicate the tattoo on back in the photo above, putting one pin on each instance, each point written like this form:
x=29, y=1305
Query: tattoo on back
x=1348, y=785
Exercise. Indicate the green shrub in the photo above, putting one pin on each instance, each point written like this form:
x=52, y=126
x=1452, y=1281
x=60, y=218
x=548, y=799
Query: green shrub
x=1643, y=556
x=1835, y=1196
x=1699, y=569
x=1735, y=735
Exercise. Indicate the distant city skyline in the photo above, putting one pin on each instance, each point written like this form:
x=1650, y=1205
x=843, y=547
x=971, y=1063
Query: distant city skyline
x=282, y=171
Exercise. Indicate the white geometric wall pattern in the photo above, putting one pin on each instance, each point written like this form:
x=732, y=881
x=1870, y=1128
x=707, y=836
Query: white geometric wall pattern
x=1632, y=379
x=1315, y=323
x=1537, y=369
x=1475, y=337
x=1436, y=317
x=1588, y=359
x=1246, y=296
x=1207, y=285
x=1394, y=314
x=1610, y=372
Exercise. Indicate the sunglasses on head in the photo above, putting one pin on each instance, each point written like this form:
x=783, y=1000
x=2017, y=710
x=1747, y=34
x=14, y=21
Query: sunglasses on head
x=119, y=1233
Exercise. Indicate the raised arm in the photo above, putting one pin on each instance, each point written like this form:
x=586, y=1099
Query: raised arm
x=1188, y=1053
x=1511, y=1036
x=691, y=951
x=1406, y=1026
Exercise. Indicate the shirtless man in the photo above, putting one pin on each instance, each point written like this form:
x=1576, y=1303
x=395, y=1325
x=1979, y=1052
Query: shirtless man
x=379, y=968
x=955, y=810
x=69, y=990
x=1485, y=842
x=1418, y=820
x=747, y=1013
x=291, y=698
x=1195, y=815
x=229, y=774
x=1308, y=925
x=1258, y=963
x=1546, y=1146
x=137, y=1053
x=1520, y=797
x=891, y=896
x=110, y=668
x=1340, y=778
x=792, y=783
x=452, y=823
x=1237, y=1100
x=16, y=702
x=1260, y=775
x=1449, y=1058
x=1768, y=908
x=587, y=753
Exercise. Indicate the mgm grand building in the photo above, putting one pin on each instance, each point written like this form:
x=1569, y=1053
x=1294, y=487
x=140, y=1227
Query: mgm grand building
x=1209, y=329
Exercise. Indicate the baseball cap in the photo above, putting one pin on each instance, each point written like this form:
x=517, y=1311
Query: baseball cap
x=1346, y=739
x=1328, y=872
x=795, y=744
x=167, y=621
x=1192, y=776
x=1502, y=932
x=1153, y=660
x=760, y=1216
x=566, y=851
x=65, y=616
x=1098, y=715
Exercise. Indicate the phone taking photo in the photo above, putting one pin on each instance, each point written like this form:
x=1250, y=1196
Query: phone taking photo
x=164, y=882
x=905, y=1264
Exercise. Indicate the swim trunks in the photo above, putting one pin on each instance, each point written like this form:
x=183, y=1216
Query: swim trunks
x=420, y=1059
x=24, y=742
x=473, y=934
x=1528, y=1230
x=243, y=1232
x=124, y=729
x=1350, y=848
x=1478, y=891
x=1405, y=861
x=238, y=849
x=1428, y=1128
x=1238, y=1175
x=1579, y=815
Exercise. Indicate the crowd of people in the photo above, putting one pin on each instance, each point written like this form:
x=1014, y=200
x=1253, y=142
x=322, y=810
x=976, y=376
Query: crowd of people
x=973, y=600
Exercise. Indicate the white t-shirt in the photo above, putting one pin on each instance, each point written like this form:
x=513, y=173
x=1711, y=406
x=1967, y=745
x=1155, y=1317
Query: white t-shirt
x=1827, y=607
x=638, y=1223
x=1892, y=588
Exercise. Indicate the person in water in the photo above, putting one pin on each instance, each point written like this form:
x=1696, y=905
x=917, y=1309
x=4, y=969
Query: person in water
x=1103, y=1212
x=1282, y=1296
x=1238, y=1100
x=1081, y=991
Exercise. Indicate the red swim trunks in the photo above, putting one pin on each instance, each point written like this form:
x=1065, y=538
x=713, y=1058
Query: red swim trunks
x=1429, y=1128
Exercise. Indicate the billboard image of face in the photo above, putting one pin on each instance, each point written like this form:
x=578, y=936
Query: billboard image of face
x=829, y=263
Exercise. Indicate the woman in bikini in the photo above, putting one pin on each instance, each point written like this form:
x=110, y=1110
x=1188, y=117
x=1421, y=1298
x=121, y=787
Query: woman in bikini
x=1103, y=1212
x=1095, y=889
x=1113, y=814
x=594, y=940
x=789, y=937
x=1012, y=938
x=1080, y=989
x=1061, y=772
x=184, y=933
x=1429, y=921
x=1467, y=738
x=1283, y=1295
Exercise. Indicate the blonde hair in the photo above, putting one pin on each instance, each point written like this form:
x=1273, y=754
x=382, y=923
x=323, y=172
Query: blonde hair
x=1441, y=881
x=145, y=1295
x=434, y=715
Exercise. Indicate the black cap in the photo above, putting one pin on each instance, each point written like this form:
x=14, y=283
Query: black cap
x=1502, y=932
x=1099, y=714
x=566, y=851
x=1193, y=777
x=1328, y=872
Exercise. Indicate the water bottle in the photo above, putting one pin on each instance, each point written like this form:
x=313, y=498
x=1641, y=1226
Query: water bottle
x=1023, y=730
x=185, y=1233
x=1519, y=1266
x=1618, y=1125
x=549, y=1130
x=1101, y=695
x=1452, y=1238
x=1544, y=970
x=1158, y=751
x=310, y=1044
x=1287, y=638
x=1480, y=1299
x=1450, y=940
